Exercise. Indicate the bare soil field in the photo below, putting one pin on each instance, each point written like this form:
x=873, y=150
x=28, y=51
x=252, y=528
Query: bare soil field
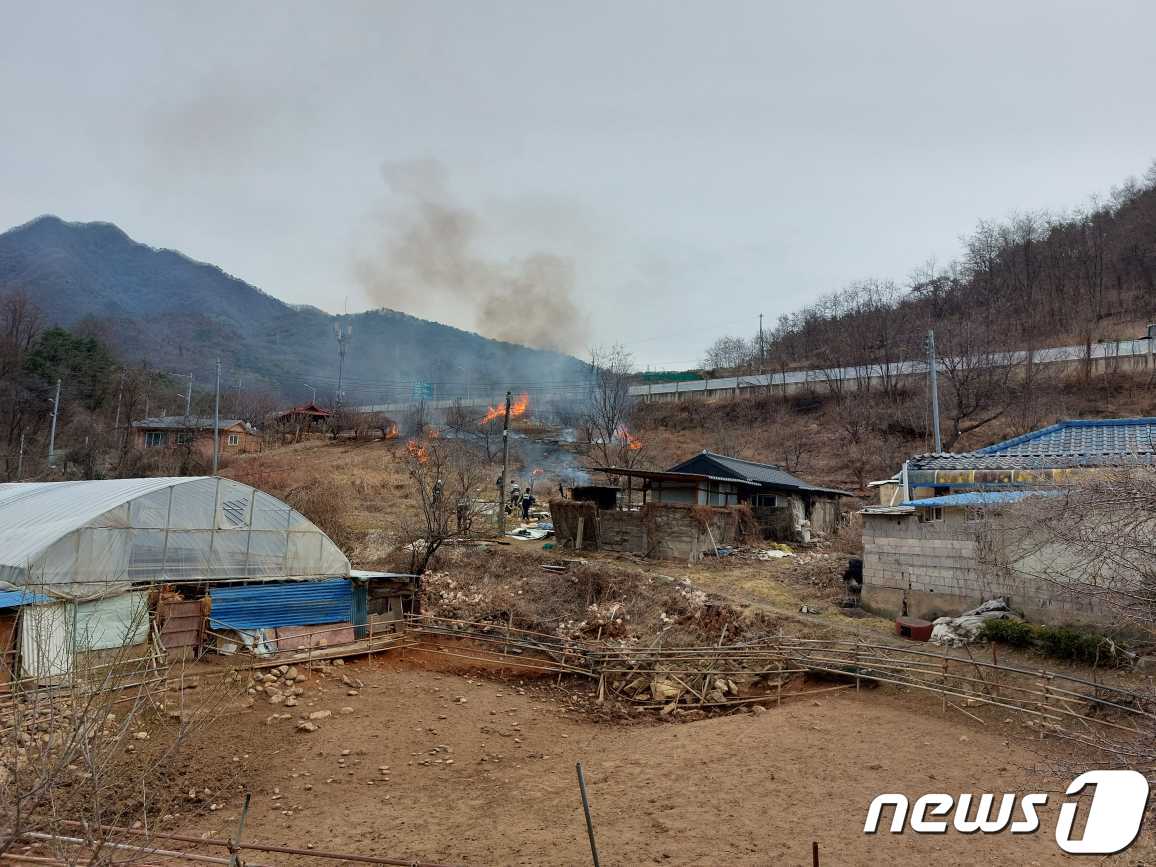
x=428, y=764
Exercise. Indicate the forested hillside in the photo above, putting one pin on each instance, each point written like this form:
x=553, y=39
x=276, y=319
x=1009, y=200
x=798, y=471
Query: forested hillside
x=163, y=308
x=1029, y=282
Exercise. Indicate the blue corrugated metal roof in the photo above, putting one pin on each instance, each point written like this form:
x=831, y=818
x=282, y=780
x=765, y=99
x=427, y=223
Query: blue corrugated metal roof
x=978, y=498
x=293, y=603
x=16, y=598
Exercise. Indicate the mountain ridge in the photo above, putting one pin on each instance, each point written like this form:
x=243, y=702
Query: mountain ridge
x=166, y=308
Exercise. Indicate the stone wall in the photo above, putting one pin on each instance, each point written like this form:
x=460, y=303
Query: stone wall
x=946, y=567
x=660, y=530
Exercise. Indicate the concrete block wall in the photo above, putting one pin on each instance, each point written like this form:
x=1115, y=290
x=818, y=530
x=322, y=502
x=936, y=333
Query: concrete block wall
x=946, y=567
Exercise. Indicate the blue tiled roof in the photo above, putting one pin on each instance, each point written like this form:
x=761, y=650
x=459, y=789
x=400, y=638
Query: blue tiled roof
x=1121, y=437
x=1072, y=443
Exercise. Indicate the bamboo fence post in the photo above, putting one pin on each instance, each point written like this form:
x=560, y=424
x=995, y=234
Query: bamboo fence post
x=943, y=680
x=1046, y=703
x=856, y=666
x=782, y=666
x=995, y=672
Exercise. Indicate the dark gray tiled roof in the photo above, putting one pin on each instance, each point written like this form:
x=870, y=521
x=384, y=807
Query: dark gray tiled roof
x=192, y=422
x=737, y=468
x=1074, y=443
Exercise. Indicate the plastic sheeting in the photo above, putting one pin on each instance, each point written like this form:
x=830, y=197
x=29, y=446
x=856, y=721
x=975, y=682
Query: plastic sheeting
x=51, y=635
x=266, y=606
x=88, y=539
x=16, y=598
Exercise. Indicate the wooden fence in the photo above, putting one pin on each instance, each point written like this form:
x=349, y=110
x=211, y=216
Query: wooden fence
x=770, y=669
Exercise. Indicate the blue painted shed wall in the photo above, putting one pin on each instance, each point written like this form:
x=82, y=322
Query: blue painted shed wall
x=294, y=603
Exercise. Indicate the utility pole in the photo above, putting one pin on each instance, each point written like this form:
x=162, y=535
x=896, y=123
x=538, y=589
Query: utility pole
x=216, y=421
x=119, y=396
x=762, y=346
x=20, y=459
x=933, y=387
x=343, y=333
x=505, y=466
x=52, y=434
x=313, y=400
x=189, y=396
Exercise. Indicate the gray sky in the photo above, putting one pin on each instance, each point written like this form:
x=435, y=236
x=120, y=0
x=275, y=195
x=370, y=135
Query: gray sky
x=699, y=163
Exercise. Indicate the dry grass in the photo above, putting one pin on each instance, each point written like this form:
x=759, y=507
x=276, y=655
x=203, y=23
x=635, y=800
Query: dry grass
x=354, y=491
x=810, y=438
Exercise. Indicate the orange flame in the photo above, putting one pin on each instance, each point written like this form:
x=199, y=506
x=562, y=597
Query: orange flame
x=417, y=451
x=632, y=442
x=391, y=431
x=517, y=408
x=538, y=471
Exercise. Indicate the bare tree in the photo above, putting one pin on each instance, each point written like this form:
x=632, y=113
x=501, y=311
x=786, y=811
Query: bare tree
x=447, y=483
x=1093, y=541
x=465, y=424
x=975, y=380
x=729, y=353
x=70, y=764
x=609, y=406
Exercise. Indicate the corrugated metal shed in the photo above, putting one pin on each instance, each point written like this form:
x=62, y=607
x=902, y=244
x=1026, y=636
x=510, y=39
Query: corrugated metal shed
x=264, y=606
x=16, y=598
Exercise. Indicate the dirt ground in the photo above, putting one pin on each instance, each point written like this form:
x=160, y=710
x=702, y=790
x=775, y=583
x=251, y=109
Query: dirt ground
x=478, y=770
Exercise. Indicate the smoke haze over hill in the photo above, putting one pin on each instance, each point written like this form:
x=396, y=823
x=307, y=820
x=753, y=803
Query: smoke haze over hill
x=430, y=255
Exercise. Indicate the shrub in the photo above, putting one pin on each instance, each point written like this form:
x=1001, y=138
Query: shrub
x=1015, y=633
x=1058, y=642
x=1063, y=642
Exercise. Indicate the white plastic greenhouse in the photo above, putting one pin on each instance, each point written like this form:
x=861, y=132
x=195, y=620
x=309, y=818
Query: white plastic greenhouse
x=71, y=553
x=84, y=540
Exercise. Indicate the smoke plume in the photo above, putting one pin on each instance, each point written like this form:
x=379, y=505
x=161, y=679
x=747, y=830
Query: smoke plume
x=428, y=258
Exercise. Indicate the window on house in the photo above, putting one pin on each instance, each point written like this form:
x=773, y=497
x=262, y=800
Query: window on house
x=976, y=514
x=768, y=501
x=234, y=439
x=930, y=515
x=155, y=439
x=184, y=438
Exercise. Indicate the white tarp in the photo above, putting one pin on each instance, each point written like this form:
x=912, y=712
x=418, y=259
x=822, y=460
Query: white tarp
x=117, y=621
x=51, y=634
x=958, y=631
x=46, y=640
